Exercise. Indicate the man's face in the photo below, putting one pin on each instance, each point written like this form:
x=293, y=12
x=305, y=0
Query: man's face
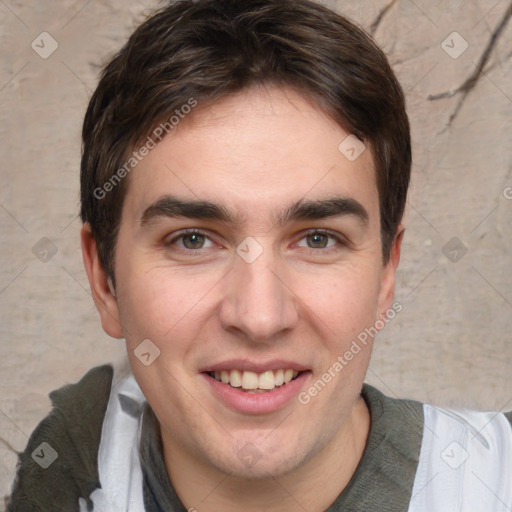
x=282, y=273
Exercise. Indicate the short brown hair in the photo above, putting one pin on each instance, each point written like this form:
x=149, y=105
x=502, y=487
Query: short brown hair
x=201, y=50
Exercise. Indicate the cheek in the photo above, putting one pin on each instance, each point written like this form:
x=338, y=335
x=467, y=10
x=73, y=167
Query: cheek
x=158, y=302
x=345, y=301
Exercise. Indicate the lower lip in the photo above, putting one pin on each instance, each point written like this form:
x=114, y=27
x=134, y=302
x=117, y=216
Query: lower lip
x=257, y=403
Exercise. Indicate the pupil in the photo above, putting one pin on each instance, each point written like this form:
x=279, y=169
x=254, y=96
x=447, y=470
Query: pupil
x=318, y=240
x=193, y=241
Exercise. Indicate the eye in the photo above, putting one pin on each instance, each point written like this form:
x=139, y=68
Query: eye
x=319, y=240
x=191, y=240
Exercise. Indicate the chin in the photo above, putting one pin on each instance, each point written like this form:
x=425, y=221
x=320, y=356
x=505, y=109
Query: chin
x=260, y=460
x=261, y=469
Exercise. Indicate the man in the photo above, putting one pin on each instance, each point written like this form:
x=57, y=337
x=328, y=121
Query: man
x=244, y=175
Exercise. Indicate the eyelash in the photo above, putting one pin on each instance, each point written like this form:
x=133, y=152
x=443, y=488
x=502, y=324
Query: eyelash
x=184, y=233
x=339, y=240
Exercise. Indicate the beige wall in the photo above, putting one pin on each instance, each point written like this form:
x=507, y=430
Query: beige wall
x=452, y=342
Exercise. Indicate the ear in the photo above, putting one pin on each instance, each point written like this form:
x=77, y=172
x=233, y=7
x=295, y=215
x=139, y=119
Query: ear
x=102, y=290
x=387, y=290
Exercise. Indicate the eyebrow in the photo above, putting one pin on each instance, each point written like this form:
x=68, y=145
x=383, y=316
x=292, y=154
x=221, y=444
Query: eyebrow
x=170, y=206
x=324, y=208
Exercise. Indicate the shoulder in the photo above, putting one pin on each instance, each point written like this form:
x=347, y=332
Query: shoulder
x=399, y=422
x=466, y=457
x=59, y=463
x=444, y=459
x=384, y=477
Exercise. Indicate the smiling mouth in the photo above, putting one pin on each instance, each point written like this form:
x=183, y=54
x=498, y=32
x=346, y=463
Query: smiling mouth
x=252, y=382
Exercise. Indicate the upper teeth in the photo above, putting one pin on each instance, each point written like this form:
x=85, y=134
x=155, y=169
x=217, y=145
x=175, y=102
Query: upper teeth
x=251, y=380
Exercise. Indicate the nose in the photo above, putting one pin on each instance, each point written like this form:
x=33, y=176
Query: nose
x=258, y=300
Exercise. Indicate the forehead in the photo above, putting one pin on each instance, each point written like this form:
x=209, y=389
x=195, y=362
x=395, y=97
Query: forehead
x=253, y=151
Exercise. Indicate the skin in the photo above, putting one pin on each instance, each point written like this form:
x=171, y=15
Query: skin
x=304, y=299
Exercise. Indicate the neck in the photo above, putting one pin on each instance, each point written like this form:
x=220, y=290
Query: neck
x=312, y=486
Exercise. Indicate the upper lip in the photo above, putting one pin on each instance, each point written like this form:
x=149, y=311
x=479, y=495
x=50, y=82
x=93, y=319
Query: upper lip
x=254, y=366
